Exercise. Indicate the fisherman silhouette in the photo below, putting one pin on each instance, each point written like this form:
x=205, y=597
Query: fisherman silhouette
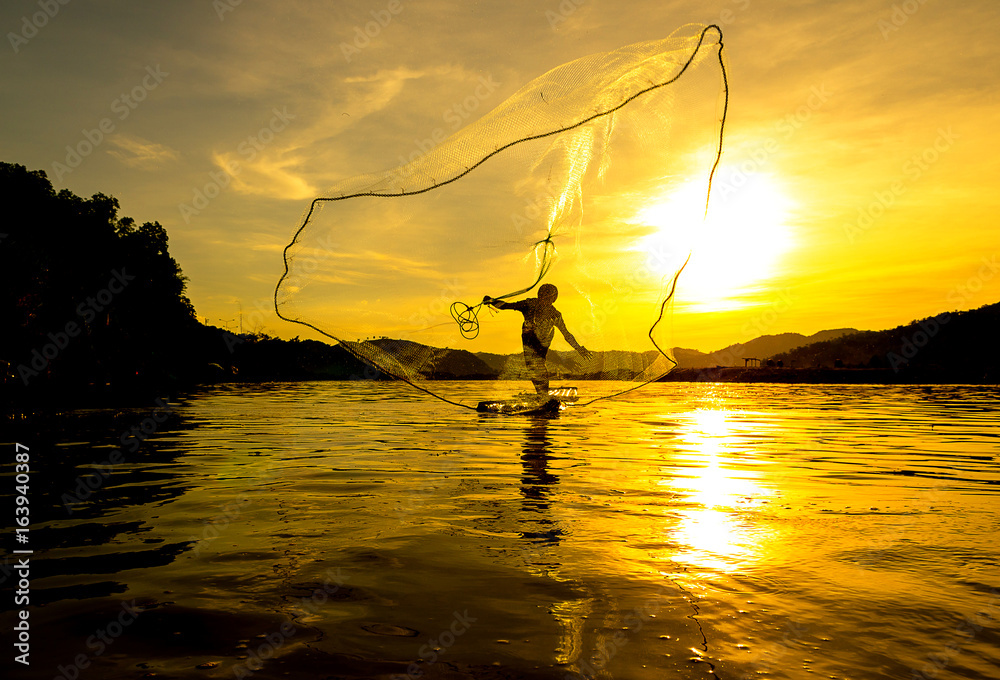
x=540, y=321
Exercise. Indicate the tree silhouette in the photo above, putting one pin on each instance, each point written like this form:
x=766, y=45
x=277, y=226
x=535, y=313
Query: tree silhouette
x=71, y=264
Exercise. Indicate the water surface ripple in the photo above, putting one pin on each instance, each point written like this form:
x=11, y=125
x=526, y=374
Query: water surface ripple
x=362, y=529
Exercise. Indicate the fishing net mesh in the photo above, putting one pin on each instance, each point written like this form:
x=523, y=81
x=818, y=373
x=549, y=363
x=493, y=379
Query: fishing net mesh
x=551, y=186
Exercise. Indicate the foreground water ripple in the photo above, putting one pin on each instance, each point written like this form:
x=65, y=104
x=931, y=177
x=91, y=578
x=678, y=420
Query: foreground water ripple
x=680, y=530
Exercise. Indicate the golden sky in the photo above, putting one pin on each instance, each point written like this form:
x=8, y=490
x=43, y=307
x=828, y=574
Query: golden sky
x=855, y=186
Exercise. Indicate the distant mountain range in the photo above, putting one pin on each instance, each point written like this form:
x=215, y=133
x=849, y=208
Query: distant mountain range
x=963, y=343
x=954, y=347
x=455, y=363
x=764, y=347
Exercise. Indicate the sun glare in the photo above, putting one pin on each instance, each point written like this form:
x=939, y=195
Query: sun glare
x=733, y=250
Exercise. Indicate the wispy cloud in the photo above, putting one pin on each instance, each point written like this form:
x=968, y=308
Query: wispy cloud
x=136, y=152
x=281, y=171
x=273, y=173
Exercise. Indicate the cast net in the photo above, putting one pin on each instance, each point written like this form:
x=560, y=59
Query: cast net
x=553, y=186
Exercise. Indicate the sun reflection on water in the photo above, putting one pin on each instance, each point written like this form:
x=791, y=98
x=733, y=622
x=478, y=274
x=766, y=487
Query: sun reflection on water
x=713, y=499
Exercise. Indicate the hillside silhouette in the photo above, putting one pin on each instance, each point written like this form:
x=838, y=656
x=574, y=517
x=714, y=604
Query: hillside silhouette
x=961, y=346
x=763, y=347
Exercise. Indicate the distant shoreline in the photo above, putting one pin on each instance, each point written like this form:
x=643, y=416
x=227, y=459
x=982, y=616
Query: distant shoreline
x=846, y=376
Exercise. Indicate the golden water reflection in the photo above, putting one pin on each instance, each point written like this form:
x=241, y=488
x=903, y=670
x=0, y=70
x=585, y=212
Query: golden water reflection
x=719, y=493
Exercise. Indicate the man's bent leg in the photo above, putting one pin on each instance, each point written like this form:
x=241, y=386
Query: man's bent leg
x=534, y=361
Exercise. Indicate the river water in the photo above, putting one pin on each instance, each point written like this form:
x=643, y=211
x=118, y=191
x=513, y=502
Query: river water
x=366, y=530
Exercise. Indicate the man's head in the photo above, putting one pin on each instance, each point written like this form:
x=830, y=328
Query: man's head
x=548, y=293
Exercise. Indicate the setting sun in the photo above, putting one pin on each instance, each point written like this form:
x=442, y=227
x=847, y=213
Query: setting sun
x=737, y=247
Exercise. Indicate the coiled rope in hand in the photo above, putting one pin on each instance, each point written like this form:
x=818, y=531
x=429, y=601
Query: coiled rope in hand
x=467, y=317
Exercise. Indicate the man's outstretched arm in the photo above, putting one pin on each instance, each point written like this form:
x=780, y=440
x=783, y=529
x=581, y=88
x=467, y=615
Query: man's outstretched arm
x=501, y=304
x=583, y=351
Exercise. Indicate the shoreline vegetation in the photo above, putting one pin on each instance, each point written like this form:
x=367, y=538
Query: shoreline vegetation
x=96, y=314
